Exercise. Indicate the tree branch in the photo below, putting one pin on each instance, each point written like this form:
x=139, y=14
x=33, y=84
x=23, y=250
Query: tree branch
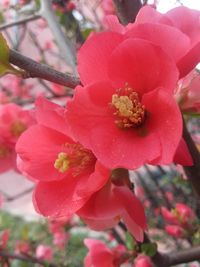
x=34, y=69
x=19, y=22
x=184, y=256
x=64, y=44
x=192, y=172
x=127, y=9
x=173, y=258
x=11, y=255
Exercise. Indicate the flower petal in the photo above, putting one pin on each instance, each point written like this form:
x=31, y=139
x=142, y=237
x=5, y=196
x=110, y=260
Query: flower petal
x=39, y=147
x=131, y=204
x=165, y=121
x=143, y=66
x=68, y=195
x=58, y=198
x=51, y=115
x=182, y=155
x=163, y=36
x=189, y=26
x=93, y=124
x=148, y=14
x=93, y=56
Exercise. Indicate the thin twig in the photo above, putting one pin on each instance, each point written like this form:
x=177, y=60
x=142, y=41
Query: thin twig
x=19, y=22
x=19, y=195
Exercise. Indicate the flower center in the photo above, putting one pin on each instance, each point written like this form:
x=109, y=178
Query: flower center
x=4, y=151
x=17, y=128
x=74, y=157
x=129, y=110
x=62, y=162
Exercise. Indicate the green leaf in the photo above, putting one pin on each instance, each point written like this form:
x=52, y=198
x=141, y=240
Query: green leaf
x=86, y=32
x=149, y=249
x=5, y=66
x=130, y=242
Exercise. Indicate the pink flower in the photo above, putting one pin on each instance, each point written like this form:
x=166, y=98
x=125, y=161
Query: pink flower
x=161, y=28
x=58, y=89
x=5, y=3
x=189, y=28
x=143, y=261
x=44, y=252
x=175, y=230
x=14, y=120
x=17, y=87
x=70, y=6
x=116, y=112
x=100, y=255
x=4, y=98
x=4, y=237
x=182, y=215
x=66, y=173
x=108, y=7
x=58, y=224
x=22, y=247
x=187, y=93
x=7, y=156
x=60, y=239
x=111, y=204
x=169, y=216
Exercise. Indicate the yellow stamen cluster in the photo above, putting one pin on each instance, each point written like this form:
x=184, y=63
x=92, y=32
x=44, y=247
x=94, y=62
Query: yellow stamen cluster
x=129, y=110
x=75, y=157
x=62, y=162
x=17, y=128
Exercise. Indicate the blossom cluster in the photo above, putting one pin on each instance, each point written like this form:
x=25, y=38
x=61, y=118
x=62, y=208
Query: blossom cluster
x=123, y=115
x=100, y=255
x=180, y=220
x=14, y=120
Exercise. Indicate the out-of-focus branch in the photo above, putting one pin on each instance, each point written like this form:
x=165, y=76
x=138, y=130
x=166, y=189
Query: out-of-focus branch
x=192, y=172
x=10, y=255
x=127, y=9
x=158, y=187
x=64, y=44
x=19, y=22
x=184, y=256
x=176, y=257
x=34, y=69
x=19, y=195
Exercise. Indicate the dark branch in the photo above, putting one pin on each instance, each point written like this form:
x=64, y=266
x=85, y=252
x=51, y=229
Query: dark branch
x=19, y=22
x=184, y=256
x=192, y=172
x=10, y=255
x=34, y=69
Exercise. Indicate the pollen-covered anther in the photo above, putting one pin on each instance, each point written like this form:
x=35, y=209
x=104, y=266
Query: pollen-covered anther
x=75, y=158
x=62, y=162
x=4, y=151
x=128, y=108
x=17, y=128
